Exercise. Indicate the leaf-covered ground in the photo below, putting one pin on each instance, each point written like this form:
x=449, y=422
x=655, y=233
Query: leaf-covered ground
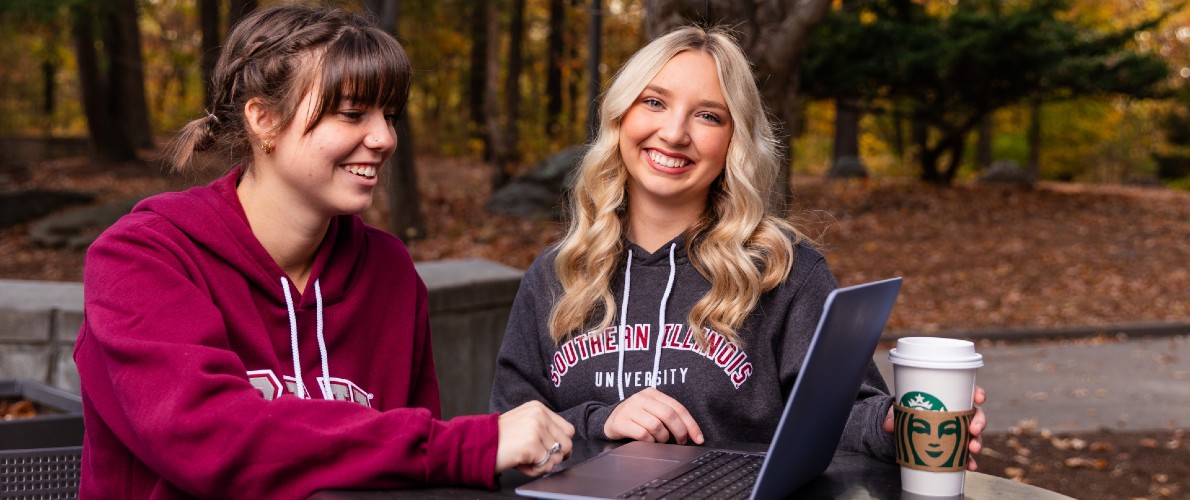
x=974, y=258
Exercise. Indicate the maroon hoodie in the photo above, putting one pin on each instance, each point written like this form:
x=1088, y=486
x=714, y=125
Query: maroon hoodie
x=187, y=352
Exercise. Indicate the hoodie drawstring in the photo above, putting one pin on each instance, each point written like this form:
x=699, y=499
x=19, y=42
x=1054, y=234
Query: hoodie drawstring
x=661, y=320
x=623, y=325
x=669, y=285
x=324, y=383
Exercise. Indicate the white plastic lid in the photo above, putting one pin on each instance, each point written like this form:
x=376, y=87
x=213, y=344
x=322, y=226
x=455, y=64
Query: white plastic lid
x=935, y=352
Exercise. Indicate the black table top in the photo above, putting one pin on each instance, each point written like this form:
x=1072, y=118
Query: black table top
x=850, y=476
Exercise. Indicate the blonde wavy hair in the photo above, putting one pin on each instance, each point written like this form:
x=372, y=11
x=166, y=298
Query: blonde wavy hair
x=739, y=244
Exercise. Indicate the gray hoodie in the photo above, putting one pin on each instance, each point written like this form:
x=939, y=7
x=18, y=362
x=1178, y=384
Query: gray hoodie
x=735, y=391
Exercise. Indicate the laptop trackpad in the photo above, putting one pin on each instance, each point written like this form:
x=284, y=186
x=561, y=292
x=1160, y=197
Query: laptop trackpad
x=629, y=469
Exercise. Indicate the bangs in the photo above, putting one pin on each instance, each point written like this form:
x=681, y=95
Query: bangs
x=365, y=66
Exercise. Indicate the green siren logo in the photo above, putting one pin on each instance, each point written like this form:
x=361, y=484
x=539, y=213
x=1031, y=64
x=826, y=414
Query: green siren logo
x=928, y=437
x=922, y=401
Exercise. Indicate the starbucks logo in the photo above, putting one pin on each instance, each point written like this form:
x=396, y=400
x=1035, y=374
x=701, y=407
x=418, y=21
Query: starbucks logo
x=922, y=401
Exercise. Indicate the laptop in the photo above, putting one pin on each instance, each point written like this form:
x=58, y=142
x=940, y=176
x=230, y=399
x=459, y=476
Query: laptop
x=802, y=447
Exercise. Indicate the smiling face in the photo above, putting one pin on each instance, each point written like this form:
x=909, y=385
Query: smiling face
x=674, y=137
x=334, y=166
x=935, y=448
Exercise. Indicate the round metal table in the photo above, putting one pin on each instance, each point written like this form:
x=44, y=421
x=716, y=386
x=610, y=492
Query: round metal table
x=850, y=476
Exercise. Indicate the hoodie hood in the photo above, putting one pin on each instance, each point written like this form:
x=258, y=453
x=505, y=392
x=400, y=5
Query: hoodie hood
x=196, y=210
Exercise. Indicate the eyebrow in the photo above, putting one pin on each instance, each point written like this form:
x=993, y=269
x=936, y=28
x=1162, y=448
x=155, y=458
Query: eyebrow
x=705, y=103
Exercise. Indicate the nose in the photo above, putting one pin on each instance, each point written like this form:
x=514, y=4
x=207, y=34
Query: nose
x=381, y=134
x=675, y=130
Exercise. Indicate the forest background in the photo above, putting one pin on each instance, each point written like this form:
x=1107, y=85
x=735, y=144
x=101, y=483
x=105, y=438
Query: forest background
x=1081, y=94
x=896, y=112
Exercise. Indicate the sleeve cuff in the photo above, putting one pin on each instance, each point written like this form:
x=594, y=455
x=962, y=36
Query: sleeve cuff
x=463, y=450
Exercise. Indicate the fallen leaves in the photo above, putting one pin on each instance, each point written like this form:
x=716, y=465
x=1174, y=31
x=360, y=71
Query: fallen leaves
x=984, y=257
x=21, y=408
x=1085, y=462
x=1101, y=465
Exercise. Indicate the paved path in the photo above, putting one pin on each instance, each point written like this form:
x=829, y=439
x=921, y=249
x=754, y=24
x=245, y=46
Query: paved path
x=1084, y=385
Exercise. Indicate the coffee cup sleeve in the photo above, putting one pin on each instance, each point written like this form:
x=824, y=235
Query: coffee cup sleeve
x=924, y=438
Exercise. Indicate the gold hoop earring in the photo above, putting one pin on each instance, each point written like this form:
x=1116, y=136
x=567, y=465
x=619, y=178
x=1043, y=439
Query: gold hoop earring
x=266, y=146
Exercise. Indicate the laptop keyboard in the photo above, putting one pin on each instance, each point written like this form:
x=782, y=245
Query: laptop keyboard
x=717, y=474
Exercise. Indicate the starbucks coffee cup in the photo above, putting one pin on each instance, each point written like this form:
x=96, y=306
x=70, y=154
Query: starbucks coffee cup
x=935, y=383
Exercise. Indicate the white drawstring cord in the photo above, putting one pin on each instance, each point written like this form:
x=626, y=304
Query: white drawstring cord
x=324, y=384
x=293, y=341
x=623, y=324
x=664, y=300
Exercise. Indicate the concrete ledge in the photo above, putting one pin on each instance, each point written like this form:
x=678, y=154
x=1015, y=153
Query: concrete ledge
x=462, y=285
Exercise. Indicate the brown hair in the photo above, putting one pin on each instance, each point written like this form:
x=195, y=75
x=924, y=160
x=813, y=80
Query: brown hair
x=275, y=55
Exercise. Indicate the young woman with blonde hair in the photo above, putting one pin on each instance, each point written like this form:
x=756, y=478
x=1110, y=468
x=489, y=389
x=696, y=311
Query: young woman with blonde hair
x=678, y=306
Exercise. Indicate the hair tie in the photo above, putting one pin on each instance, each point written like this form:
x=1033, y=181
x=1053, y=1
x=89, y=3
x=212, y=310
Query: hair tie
x=212, y=117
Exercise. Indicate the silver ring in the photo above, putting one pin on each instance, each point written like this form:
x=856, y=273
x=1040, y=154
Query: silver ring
x=557, y=447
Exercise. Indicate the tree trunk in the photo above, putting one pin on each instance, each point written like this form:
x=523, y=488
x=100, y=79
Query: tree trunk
x=553, y=77
x=494, y=125
x=477, y=78
x=983, y=146
x=506, y=152
x=957, y=146
x=126, y=72
x=1033, y=138
x=108, y=143
x=846, y=161
x=209, y=19
x=774, y=34
x=594, y=43
x=574, y=83
x=927, y=157
x=48, y=102
x=404, y=200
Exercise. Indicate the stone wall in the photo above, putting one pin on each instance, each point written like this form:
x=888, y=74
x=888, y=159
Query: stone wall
x=469, y=305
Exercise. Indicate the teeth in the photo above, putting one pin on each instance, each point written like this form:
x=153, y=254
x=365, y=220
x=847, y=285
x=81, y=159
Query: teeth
x=367, y=172
x=667, y=161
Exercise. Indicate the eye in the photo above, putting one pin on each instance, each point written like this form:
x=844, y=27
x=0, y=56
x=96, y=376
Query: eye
x=947, y=428
x=351, y=114
x=920, y=427
x=652, y=103
x=710, y=117
x=391, y=117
